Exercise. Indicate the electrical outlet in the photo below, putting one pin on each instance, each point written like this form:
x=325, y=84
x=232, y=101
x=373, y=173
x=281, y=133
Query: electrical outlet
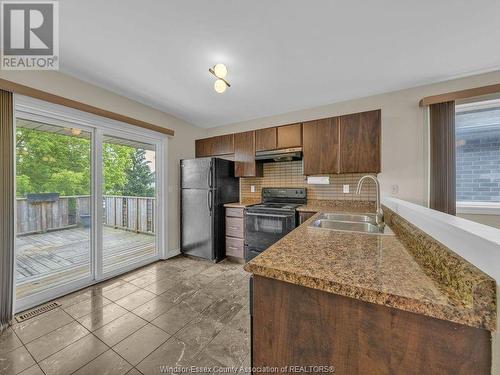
x=252, y=188
x=345, y=189
x=394, y=189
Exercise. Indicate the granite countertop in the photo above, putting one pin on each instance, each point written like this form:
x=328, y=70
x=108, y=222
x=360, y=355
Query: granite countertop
x=376, y=269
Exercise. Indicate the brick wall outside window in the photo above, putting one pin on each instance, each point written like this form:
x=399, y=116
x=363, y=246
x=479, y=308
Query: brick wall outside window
x=478, y=155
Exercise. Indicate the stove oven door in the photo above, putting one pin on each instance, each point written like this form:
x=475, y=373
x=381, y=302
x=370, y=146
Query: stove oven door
x=262, y=229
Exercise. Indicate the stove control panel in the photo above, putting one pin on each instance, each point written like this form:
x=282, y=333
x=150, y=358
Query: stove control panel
x=283, y=193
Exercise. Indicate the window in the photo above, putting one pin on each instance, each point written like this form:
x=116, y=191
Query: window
x=478, y=157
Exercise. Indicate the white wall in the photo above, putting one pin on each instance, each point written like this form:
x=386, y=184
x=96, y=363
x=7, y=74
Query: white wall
x=404, y=131
x=179, y=147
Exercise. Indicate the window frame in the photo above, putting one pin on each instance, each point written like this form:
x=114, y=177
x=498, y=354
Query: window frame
x=477, y=207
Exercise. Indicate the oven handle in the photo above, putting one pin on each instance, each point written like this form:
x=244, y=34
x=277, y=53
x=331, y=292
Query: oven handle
x=266, y=215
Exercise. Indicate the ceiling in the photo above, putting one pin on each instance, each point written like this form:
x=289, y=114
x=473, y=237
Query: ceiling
x=282, y=55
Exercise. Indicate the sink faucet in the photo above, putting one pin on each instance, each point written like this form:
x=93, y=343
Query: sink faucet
x=379, y=217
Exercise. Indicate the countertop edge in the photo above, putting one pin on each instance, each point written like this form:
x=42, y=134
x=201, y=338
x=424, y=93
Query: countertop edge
x=455, y=315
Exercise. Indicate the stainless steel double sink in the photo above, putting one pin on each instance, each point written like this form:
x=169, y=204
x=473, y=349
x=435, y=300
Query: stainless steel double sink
x=350, y=222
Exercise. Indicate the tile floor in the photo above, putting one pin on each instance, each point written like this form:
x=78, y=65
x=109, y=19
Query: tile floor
x=178, y=312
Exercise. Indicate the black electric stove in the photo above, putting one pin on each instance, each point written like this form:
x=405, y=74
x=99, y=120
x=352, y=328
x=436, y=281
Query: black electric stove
x=267, y=222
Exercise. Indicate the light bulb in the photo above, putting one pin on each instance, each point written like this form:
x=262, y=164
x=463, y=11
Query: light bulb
x=220, y=86
x=220, y=70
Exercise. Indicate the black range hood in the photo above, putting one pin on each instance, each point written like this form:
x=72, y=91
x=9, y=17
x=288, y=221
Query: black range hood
x=287, y=154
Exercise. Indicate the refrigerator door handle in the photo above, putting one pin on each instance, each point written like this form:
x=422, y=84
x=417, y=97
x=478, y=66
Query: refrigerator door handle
x=209, y=201
x=210, y=175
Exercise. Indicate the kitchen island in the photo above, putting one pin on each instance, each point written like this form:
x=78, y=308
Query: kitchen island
x=367, y=303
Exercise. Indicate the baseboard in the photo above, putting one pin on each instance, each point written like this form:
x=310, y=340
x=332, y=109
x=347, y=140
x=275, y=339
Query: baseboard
x=172, y=253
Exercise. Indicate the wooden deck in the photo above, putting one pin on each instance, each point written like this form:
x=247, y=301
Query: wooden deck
x=63, y=255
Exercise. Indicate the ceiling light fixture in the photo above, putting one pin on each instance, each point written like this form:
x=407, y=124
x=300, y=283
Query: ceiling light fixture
x=220, y=86
x=220, y=72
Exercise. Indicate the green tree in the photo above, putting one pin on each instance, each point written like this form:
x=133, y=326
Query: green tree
x=140, y=179
x=52, y=162
x=117, y=160
x=41, y=155
x=23, y=185
x=68, y=182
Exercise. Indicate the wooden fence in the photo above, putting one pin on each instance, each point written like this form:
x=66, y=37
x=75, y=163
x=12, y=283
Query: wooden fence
x=129, y=213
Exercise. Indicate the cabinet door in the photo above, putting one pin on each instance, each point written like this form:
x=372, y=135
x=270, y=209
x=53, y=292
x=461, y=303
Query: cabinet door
x=201, y=148
x=321, y=146
x=265, y=139
x=360, y=142
x=235, y=247
x=290, y=136
x=219, y=145
x=244, y=155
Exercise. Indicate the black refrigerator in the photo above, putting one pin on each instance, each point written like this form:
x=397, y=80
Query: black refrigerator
x=206, y=184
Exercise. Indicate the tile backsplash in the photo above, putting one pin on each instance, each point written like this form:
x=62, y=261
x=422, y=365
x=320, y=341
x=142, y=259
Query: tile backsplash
x=290, y=174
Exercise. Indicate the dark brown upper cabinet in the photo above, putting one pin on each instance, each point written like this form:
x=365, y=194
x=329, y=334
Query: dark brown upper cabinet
x=244, y=155
x=344, y=144
x=214, y=146
x=360, y=142
x=289, y=136
x=321, y=146
x=265, y=139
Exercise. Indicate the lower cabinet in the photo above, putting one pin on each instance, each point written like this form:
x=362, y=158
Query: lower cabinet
x=234, y=247
x=234, y=232
x=295, y=325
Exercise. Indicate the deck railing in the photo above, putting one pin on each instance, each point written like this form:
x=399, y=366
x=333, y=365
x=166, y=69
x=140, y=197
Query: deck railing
x=129, y=213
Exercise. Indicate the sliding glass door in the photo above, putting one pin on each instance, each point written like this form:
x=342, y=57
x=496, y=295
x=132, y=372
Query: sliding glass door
x=53, y=206
x=88, y=200
x=129, y=202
